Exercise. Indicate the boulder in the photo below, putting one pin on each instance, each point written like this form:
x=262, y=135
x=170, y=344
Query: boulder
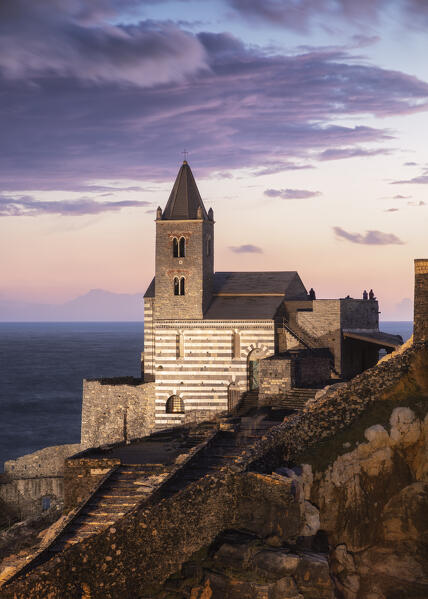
x=276, y=563
x=405, y=427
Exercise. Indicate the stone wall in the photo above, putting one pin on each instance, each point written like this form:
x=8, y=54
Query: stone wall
x=115, y=410
x=162, y=536
x=279, y=373
x=33, y=483
x=421, y=301
x=276, y=376
x=145, y=547
x=335, y=408
x=81, y=477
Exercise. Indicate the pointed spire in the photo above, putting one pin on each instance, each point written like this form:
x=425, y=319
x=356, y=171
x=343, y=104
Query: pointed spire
x=185, y=201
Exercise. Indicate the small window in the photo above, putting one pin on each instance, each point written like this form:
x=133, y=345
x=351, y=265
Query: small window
x=179, y=286
x=182, y=248
x=46, y=503
x=175, y=247
x=209, y=246
x=174, y=405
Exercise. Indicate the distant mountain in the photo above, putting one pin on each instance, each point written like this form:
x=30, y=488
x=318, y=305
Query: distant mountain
x=96, y=305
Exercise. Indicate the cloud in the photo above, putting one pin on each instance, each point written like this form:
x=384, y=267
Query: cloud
x=391, y=210
x=291, y=194
x=48, y=37
x=29, y=206
x=421, y=180
x=410, y=164
x=247, y=108
x=420, y=203
x=246, y=249
x=278, y=167
x=369, y=238
x=401, y=197
x=340, y=153
x=300, y=15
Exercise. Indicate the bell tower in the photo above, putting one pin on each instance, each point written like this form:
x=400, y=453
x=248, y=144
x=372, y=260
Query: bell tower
x=184, y=252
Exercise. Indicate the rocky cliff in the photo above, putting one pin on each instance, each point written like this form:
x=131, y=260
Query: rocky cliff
x=332, y=502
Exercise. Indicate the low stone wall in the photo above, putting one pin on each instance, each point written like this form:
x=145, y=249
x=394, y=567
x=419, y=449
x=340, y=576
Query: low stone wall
x=33, y=483
x=303, y=368
x=81, y=477
x=404, y=374
x=115, y=410
x=162, y=536
x=275, y=378
x=46, y=462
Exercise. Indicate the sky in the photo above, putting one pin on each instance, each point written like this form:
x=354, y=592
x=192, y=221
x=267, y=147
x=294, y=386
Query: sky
x=305, y=122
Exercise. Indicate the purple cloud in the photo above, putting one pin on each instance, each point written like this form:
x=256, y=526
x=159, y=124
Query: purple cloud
x=341, y=153
x=279, y=167
x=29, y=206
x=421, y=180
x=300, y=15
x=291, y=194
x=246, y=109
x=391, y=210
x=369, y=238
x=246, y=249
x=410, y=164
x=400, y=197
x=72, y=40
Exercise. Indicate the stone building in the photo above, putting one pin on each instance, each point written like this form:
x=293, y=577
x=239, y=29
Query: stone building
x=206, y=332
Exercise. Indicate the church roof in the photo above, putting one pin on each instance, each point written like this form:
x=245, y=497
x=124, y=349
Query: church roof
x=235, y=307
x=185, y=199
x=286, y=283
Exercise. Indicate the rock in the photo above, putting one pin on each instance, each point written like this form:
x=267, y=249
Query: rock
x=236, y=555
x=285, y=588
x=344, y=572
x=377, y=436
x=306, y=480
x=313, y=576
x=276, y=563
x=405, y=514
x=222, y=586
x=405, y=427
x=312, y=520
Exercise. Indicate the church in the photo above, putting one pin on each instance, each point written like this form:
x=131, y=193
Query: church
x=212, y=337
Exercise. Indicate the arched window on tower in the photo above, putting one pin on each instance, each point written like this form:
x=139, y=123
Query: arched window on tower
x=176, y=286
x=175, y=247
x=208, y=246
x=182, y=286
x=182, y=247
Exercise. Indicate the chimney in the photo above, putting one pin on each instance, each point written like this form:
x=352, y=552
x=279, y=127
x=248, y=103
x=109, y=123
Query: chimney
x=420, y=320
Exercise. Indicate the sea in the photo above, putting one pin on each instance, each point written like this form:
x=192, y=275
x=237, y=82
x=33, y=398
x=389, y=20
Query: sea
x=42, y=366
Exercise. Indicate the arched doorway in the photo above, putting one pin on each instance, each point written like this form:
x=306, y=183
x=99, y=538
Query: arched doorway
x=253, y=369
x=174, y=405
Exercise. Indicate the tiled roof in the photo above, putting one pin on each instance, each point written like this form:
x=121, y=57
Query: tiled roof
x=284, y=282
x=242, y=308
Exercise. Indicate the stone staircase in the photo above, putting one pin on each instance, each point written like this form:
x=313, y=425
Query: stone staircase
x=123, y=490
x=131, y=484
x=249, y=401
x=222, y=451
x=295, y=399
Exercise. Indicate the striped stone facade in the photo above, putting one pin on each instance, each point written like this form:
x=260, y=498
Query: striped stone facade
x=195, y=360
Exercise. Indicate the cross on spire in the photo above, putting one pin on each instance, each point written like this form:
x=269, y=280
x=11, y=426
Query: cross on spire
x=185, y=154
